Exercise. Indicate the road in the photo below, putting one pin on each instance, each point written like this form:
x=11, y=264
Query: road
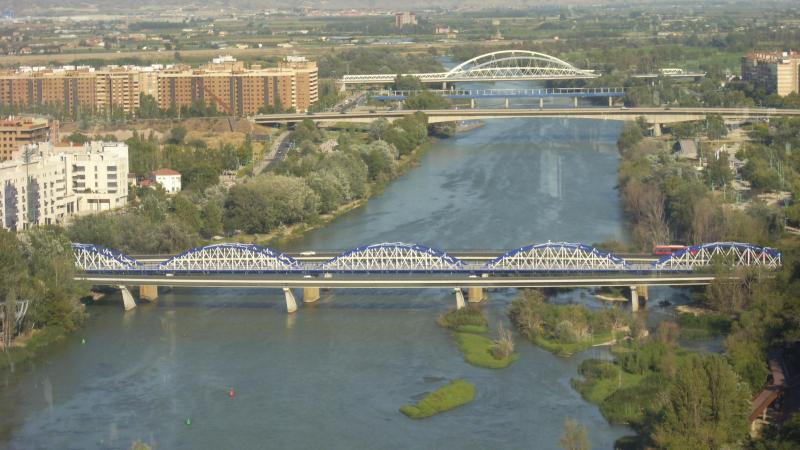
x=652, y=115
x=397, y=281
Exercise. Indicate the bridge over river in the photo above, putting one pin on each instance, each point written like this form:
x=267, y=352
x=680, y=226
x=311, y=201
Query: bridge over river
x=413, y=266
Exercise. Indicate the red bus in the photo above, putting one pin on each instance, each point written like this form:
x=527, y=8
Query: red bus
x=663, y=250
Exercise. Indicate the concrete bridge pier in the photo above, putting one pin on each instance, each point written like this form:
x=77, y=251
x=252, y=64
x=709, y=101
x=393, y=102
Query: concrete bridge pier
x=459, y=298
x=541, y=103
x=472, y=103
x=656, y=129
x=127, y=298
x=634, y=298
x=475, y=294
x=148, y=292
x=576, y=102
x=610, y=102
x=310, y=294
x=444, y=85
x=506, y=102
x=291, y=303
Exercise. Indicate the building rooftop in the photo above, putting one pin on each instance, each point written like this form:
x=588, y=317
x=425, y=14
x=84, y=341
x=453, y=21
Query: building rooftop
x=166, y=172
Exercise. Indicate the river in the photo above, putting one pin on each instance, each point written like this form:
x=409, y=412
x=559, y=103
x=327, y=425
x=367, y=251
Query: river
x=334, y=374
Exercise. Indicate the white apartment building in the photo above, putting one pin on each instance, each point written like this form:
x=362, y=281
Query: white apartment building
x=58, y=182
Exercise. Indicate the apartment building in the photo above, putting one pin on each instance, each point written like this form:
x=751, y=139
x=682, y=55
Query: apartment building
x=241, y=91
x=58, y=182
x=18, y=131
x=225, y=82
x=776, y=72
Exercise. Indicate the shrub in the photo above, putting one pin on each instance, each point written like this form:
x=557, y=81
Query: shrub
x=504, y=345
x=455, y=394
x=464, y=319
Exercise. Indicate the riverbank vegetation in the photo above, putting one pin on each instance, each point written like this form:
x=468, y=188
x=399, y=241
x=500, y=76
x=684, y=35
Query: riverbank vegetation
x=452, y=395
x=36, y=268
x=704, y=399
x=320, y=177
x=566, y=329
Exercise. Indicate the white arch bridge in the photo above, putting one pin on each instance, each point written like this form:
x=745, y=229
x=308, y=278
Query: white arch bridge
x=400, y=265
x=505, y=65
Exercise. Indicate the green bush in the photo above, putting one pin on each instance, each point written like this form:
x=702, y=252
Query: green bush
x=478, y=351
x=703, y=326
x=631, y=404
x=455, y=394
x=465, y=319
x=597, y=369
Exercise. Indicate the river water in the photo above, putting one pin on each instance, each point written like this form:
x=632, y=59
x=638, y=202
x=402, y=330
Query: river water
x=334, y=374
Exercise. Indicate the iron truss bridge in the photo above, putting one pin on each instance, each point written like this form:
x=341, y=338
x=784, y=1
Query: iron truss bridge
x=552, y=258
x=504, y=93
x=517, y=65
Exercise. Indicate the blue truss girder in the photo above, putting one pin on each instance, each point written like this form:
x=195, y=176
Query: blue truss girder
x=738, y=254
x=557, y=256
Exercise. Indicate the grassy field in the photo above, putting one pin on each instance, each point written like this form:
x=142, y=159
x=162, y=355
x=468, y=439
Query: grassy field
x=453, y=395
x=477, y=351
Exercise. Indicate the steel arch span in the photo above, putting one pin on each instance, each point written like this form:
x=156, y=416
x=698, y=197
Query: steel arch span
x=394, y=257
x=556, y=256
x=516, y=64
x=240, y=258
x=96, y=258
x=732, y=254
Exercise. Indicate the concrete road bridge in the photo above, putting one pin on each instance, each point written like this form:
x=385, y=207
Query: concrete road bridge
x=658, y=116
x=505, y=65
x=412, y=266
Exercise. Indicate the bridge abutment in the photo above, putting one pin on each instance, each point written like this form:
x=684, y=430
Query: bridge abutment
x=310, y=294
x=291, y=303
x=148, y=292
x=459, y=298
x=475, y=294
x=127, y=298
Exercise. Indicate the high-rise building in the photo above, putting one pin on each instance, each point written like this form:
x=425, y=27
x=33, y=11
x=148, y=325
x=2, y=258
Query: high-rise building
x=53, y=183
x=18, y=131
x=776, y=72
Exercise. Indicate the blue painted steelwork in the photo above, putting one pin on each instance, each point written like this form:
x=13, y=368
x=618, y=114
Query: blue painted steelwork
x=743, y=254
x=393, y=257
x=232, y=257
x=91, y=257
x=552, y=257
x=557, y=257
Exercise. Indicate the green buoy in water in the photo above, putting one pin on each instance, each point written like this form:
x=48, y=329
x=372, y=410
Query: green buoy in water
x=188, y=421
x=83, y=340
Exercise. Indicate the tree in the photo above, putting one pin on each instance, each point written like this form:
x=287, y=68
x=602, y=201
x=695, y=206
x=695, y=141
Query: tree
x=715, y=127
x=177, y=134
x=706, y=406
x=575, y=436
x=718, y=172
x=407, y=83
x=378, y=128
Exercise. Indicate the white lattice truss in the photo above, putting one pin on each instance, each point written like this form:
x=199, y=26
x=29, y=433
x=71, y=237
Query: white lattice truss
x=556, y=257
x=393, y=257
x=91, y=257
x=730, y=254
x=230, y=257
x=501, y=65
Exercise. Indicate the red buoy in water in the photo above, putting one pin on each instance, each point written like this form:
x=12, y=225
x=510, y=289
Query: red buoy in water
x=231, y=393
